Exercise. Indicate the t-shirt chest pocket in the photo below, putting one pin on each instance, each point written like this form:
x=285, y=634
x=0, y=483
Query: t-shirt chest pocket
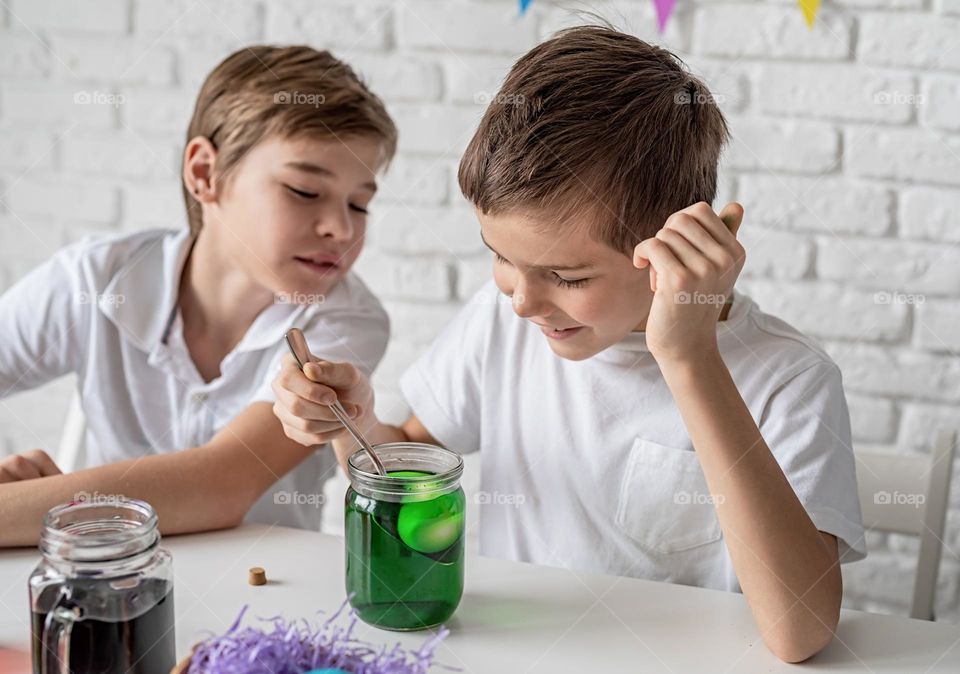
x=664, y=504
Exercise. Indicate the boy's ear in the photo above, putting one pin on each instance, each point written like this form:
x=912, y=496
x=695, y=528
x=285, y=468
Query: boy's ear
x=200, y=158
x=732, y=216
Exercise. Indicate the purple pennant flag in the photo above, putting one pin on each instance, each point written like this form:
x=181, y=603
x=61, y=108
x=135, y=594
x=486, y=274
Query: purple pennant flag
x=664, y=10
x=524, y=5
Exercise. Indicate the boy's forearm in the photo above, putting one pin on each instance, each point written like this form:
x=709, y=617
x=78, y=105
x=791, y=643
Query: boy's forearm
x=185, y=489
x=790, y=577
x=197, y=489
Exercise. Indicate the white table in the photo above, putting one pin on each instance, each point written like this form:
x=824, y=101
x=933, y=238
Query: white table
x=514, y=617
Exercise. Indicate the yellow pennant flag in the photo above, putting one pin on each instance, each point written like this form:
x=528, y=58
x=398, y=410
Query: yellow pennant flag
x=809, y=8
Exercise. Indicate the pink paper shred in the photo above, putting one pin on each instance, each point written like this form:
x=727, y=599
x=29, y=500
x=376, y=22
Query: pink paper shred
x=296, y=647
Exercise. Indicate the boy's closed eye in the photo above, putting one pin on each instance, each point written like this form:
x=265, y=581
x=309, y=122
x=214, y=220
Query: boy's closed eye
x=303, y=167
x=310, y=196
x=557, y=278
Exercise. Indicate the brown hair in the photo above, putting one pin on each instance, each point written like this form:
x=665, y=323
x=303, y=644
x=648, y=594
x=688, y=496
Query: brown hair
x=599, y=127
x=291, y=91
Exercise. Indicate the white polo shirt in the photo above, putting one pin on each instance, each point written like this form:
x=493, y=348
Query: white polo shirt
x=588, y=465
x=106, y=309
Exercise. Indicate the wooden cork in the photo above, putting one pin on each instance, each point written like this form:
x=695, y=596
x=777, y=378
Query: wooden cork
x=182, y=666
x=257, y=576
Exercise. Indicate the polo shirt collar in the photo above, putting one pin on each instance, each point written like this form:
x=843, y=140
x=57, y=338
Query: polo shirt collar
x=142, y=295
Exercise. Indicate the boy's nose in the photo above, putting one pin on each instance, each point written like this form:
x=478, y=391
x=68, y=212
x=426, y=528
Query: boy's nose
x=527, y=306
x=335, y=225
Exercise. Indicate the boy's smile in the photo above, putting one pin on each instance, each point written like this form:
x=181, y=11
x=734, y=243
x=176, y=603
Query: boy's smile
x=582, y=294
x=560, y=333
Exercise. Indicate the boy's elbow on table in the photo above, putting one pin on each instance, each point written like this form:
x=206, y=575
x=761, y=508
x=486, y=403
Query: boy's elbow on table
x=794, y=644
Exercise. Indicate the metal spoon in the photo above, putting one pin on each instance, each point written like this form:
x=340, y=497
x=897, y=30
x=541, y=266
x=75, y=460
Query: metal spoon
x=301, y=353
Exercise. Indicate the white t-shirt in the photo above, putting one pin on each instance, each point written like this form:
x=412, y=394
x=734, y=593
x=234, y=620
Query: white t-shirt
x=588, y=465
x=106, y=309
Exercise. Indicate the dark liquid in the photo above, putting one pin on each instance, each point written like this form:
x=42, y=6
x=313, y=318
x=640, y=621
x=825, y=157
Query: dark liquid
x=120, y=630
x=394, y=586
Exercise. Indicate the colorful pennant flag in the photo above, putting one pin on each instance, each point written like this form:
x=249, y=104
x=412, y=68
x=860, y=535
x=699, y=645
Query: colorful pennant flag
x=809, y=8
x=664, y=11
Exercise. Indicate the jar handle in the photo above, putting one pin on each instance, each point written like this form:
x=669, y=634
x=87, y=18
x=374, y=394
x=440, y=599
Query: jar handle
x=55, y=640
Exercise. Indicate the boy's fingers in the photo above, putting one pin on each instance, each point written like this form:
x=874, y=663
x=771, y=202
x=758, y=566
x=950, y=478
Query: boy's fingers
x=720, y=226
x=336, y=375
x=27, y=466
x=688, y=254
x=321, y=430
x=316, y=382
x=641, y=262
x=305, y=438
x=17, y=468
x=691, y=229
x=659, y=256
x=43, y=462
x=303, y=407
x=289, y=361
x=732, y=216
x=292, y=379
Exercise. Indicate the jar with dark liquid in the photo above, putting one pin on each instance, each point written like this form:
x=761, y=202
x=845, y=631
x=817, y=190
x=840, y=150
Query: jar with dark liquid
x=404, y=536
x=101, y=598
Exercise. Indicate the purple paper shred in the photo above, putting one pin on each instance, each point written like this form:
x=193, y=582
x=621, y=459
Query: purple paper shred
x=296, y=647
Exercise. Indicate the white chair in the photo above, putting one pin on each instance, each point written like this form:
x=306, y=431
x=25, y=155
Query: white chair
x=907, y=494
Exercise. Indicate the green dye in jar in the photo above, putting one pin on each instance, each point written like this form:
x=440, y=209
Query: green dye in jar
x=405, y=559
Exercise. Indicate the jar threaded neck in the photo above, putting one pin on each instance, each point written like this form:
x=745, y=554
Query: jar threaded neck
x=442, y=468
x=93, y=531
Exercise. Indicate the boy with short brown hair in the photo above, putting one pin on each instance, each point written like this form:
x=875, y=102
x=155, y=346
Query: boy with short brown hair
x=175, y=334
x=655, y=421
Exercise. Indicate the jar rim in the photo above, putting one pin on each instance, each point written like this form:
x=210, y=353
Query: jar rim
x=406, y=456
x=99, y=530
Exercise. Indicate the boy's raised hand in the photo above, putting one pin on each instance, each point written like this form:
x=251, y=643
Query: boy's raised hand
x=303, y=399
x=694, y=261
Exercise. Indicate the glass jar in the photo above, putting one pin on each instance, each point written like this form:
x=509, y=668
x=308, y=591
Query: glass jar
x=404, y=536
x=101, y=598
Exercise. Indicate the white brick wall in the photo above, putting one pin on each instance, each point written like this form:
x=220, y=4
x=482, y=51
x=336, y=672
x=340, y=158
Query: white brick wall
x=846, y=155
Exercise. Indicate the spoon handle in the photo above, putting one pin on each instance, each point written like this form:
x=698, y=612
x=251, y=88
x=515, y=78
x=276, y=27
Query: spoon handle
x=297, y=344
